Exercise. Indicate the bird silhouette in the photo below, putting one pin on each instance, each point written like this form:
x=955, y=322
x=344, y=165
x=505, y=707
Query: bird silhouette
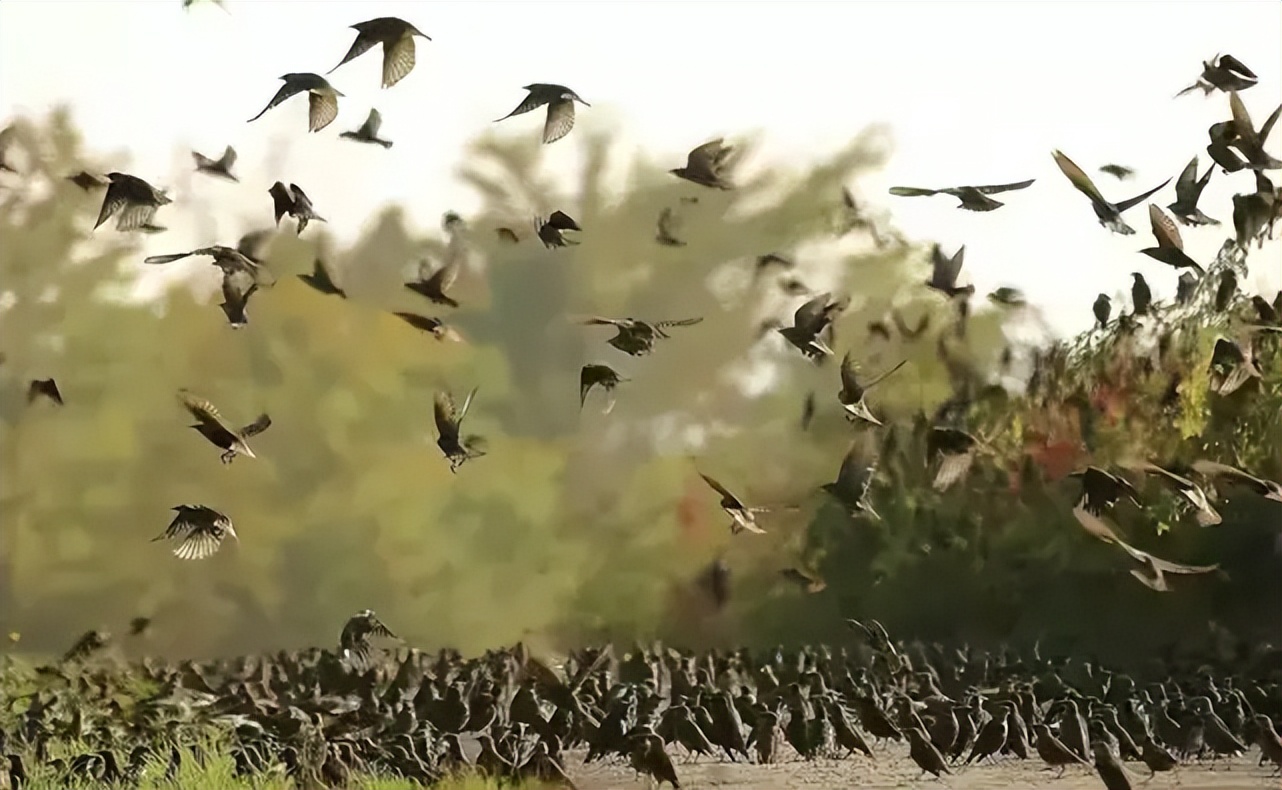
x=396, y=36
x=322, y=98
x=1188, y=190
x=560, y=103
x=597, y=375
x=368, y=131
x=321, y=280
x=133, y=199
x=44, y=388
x=1222, y=72
x=707, y=165
x=200, y=531
x=432, y=325
x=220, y=167
x=946, y=270
x=972, y=198
x=213, y=427
x=1108, y=214
x=293, y=201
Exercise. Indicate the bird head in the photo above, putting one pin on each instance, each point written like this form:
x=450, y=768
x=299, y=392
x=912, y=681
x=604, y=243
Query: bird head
x=232, y=532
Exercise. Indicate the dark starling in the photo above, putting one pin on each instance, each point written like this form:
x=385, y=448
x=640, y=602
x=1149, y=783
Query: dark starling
x=1254, y=213
x=1108, y=214
x=321, y=280
x=397, y=38
x=1120, y=172
x=1269, y=741
x=47, y=388
x=854, y=480
x=89, y=643
x=220, y=167
x=1109, y=768
x=706, y=165
x=368, y=133
x=635, y=337
x=809, y=321
x=1152, y=571
x=560, y=101
x=225, y=258
x=214, y=428
x=293, y=201
x=1233, y=364
x=851, y=395
x=1188, y=190
x=1170, y=247
x=1243, y=136
x=432, y=325
x=354, y=641
x=1008, y=297
x=1192, y=492
x=552, y=230
x=1185, y=288
x=1224, y=72
x=139, y=626
x=1102, y=308
x=237, y=287
x=1053, y=751
x=442, y=280
x=956, y=450
x=715, y=581
x=806, y=580
x=1156, y=757
x=945, y=271
x=1267, y=314
x=742, y=517
x=973, y=198
x=87, y=181
x=646, y=755
x=923, y=752
x=134, y=199
x=664, y=233
x=1265, y=488
x=322, y=99
x=594, y=375
x=1101, y=490
x=458, y=449
x=1225, y=290
x=200, y=531
x=1141, y=295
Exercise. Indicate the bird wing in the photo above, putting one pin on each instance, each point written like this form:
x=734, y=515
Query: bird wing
x=1078, y=177
x=954, y=265
x=1186, y=183
x=202, y=161
x=262, y=423
x=447, y=419
x=203, y=411
x=282, y=201
x=1241, y=118
x=601, y=321
x=849, y=380
x=135, y=216
x=1140, y=198
x=913, y=192
x=720, y=489
x=1233, y=64
x=810, y=314
x=1165, y=230
x=322, y=110
x=177, y=256
x=1096, y=525
x=532, y=101
x=886, y=375
x=993, y=189
x=112, y=202
x=372, y=124
x=560, y=119
x=363, y=43
x=1268, y=124
x=589, y=377
x=287, y=90
x=467, y=404
x=704, y=157
x=678, y=322
x=228, y=159
x=398, y=59
x=562, y=221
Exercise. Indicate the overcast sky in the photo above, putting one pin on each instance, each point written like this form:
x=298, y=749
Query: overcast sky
x=973, y=92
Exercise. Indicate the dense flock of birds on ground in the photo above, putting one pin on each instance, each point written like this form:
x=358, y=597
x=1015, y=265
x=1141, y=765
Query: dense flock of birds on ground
x=320, y=715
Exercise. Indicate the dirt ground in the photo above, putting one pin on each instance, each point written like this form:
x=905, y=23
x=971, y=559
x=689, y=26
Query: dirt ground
x=894, y=769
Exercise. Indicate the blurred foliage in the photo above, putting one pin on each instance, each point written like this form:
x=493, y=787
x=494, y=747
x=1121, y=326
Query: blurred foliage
x=575, y=525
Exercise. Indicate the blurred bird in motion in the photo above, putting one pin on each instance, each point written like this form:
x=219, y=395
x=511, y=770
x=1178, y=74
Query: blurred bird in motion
x=200, y=531
x=1108, y=214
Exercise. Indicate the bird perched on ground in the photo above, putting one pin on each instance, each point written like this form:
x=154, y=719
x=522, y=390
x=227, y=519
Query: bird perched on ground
x=603, y=376
x=552, y=230
x=200, y=531
x=560, y=101
x=635, y=337
x=809, y=321
x=44, y=388
x=213, y=427
x=707, y=165
x=945, y=271
x=1108, y=214
x=368, y=132
x=435, y=286
x=293, y=201
x=1120, y=172
x=1103, y=308
x=432, y=325
x=1188, y=190
x=134, y=199
x=742, y=517
x=397, y=38
x=321, y=280
x=449, y=420
x=1222, y=72
x=851, y=395
x=322, y=99
x=220, y=167
x=973, y=198
x=354, y=642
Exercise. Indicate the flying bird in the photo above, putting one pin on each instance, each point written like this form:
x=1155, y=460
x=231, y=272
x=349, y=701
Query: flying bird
x=706, y=165
x=322, y=99
x=44, y=388
x=1108, y=214
x=397, y=38
x=956, y=450
x=220, y=167
x=1222, y=72
x=1233, y=364
x=1254, y=213
x=293, y=201
x=1265, y=488
x=1120, y=172
x=552, y=230
x=809, y=321
x=449, y=420
x=1188, y=190
x=1007, y=297
x=368, y=133
x=806, y=580
x=355, y=641
x=237, y=287
x=88, y=181
x=1101, y=489
x=945, y=271
x=431, y=325
x=134, y=199
x=321, y=280
x=636, y=337
x=560, y=101
x=973, y=198
x=603, y=376
x=213, y=427
x=435, y=286
x=1152, y=571
x=1239, y=133
x=665, y=229
x=200, y=531
x=854, y=480
x=742, y=517
x=852, y=392
x=1170, y=247
x=1190, y=491
x=230, y=261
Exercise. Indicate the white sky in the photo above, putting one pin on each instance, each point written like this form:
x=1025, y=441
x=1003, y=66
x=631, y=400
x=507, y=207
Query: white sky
x=974, y=92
